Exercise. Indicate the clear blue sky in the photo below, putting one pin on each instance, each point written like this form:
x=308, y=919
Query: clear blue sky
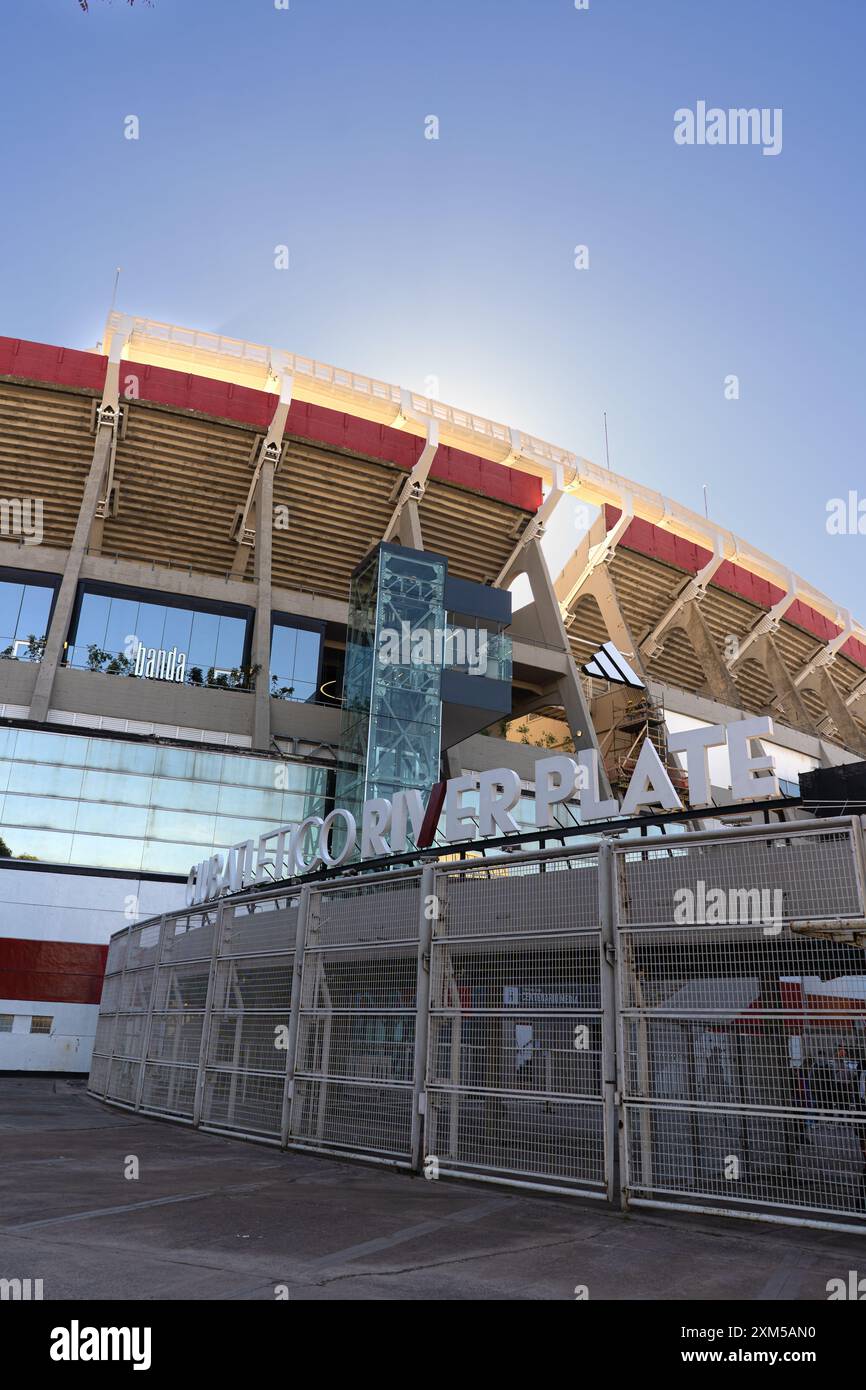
x=413, y=258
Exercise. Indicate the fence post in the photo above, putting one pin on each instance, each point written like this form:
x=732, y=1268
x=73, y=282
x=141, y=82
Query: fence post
x=858, y=826
x=610, y=1052
x=148, y=1018
x=294, y=1015
x=116, y=1014
x=198, y=1100
x=427, y=884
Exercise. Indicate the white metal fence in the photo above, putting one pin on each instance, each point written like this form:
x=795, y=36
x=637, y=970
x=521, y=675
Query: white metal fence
x=668, y=1022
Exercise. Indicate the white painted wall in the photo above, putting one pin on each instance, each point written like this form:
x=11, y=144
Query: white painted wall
x=77, y=907
x=66, y=1048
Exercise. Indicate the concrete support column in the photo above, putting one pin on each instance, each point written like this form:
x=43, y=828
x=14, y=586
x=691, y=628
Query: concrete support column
x=242, y=549
x=857, y=696
x=258, y=516
x=846, y=726
x=790, y=700
x=262, y=630
x=601, y=587
x=542, y=619
x=59, y=626
x=409, y=526
x=719, y=680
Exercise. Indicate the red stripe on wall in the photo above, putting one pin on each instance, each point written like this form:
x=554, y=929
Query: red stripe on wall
x=61, y=366
x=803, y=616
x=647, y=539
x=244, y=405
x=337, y=429
x=855, y=650
x=59, y=972
x=187, y=391
x=747, y=585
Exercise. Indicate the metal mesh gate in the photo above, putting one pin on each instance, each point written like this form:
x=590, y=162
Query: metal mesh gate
x=656, y=1022
x=355, y=1058
x=742, y=1038
x=242, y=1074
x=514, y=1073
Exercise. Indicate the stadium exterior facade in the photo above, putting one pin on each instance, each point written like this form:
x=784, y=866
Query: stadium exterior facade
x=200, y=539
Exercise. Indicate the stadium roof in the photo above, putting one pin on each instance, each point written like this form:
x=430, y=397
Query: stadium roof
x=695, y=606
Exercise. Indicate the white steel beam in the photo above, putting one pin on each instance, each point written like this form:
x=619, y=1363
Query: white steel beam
x=535, y=528
x=826, y=655
x=693, y=591
x=415, y=485
x=767, y=624
x=569, y=585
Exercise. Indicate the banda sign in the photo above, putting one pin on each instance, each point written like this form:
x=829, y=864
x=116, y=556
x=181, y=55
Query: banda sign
x=385, y=825
x=158, y=664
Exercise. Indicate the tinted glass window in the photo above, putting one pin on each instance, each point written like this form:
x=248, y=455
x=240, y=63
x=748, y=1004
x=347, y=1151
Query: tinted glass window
x=24, y=612
x=110, y=629
x=295, y=655
x=70, y=799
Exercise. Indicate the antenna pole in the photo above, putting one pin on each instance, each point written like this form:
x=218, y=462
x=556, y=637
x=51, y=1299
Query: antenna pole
x=606, y=446
x=114, y=292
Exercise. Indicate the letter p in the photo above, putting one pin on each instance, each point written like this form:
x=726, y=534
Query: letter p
x=555, y=781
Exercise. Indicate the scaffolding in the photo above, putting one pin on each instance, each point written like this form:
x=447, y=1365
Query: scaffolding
x=640, y=719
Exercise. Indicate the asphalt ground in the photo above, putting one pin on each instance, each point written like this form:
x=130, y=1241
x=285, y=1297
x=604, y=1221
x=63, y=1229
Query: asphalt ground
x=216, y=1218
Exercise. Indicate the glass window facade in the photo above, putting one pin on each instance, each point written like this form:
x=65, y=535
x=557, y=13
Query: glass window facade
x=296, y=654
x=24, y=612
x=109, y=627
x=107, y=803
x=477, y=650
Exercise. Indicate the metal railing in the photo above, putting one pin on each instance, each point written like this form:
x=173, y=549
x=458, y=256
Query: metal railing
x=643, y=1022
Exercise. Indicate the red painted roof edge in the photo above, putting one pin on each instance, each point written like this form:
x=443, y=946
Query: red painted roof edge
x=245, y=405
x=647, y=539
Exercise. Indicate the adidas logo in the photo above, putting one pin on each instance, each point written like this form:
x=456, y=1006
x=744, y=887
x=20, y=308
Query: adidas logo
x=608, y=664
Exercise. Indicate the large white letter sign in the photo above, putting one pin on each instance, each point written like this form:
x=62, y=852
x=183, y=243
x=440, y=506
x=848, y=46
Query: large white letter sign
x=330, y=860
x=696, y=743
x=298, y=863
x=555, y=781
x=375, y=822
x=459, y=819
x=591, y=807
x=650, y=784
x=498, y=793
x=406, y=807
x=746, y=782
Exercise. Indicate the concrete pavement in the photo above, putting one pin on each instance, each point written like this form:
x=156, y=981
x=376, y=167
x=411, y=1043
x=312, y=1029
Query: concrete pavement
x=215, y=1218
